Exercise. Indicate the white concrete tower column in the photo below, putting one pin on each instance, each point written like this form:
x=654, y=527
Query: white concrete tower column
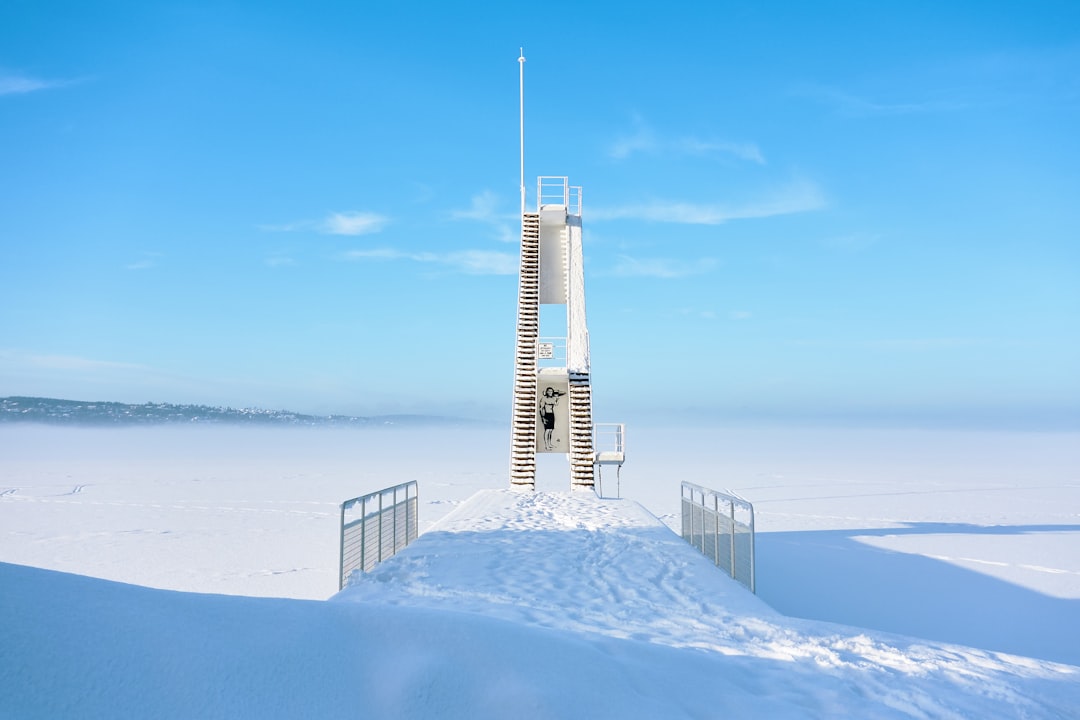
x=552, y=388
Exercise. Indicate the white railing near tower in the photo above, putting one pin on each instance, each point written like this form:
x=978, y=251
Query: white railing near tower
x=721, y=526
x=609, y=446
x=376, y=526
x=557, y=190
x=609, y=442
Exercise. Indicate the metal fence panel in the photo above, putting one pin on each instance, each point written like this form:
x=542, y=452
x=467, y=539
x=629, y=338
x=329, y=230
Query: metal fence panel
x=721, y=526
x=744, y=556
x=377, y=526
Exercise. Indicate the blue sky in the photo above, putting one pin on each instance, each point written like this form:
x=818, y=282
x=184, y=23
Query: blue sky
x=847, y=212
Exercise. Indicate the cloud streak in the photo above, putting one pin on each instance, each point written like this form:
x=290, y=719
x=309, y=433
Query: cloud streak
x=642, y=140
x=352, y=222
x=645, y=140
x=63, y=362
x=850, y=105
x=744, y=150
x=278, y=260
x=469, y=262
x=796, y=198
x=17, y=84
x=661, y=268
x=484, y=209
x=149, y=260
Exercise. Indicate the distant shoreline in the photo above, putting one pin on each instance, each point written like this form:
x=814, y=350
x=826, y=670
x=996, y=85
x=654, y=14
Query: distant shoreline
x=80, y=413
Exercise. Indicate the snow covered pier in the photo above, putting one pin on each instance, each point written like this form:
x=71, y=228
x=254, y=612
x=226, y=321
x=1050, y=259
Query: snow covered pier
x=568, y=560
x=569, y=605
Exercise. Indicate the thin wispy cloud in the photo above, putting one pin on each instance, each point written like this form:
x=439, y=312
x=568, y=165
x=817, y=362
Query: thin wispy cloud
x=922, y=344
x=701, y=314
x=148, y=261
x=279, y=261
x=641, y=140
x=66, y=362
x=376, y=254
x=482, y=262
x=852, y=242
x=469, y=262
x=19, y=84
x=484, y=208
x=851, y=105
x=644, y=139
x=353, y=222
x=796, y=198
x=662, y=268
x=744, y=150
x=910, y=344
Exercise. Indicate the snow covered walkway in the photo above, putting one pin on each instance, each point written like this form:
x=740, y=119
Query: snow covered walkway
x=569, y=561
x=604, y=571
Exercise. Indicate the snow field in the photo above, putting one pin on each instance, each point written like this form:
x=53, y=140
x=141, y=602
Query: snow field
x=545, y=605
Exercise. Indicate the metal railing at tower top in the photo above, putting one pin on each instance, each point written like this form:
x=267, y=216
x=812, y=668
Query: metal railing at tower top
x=721, y=526
x=556, y=190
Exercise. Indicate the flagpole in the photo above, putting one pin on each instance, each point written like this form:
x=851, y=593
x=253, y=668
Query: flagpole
x=521, y=114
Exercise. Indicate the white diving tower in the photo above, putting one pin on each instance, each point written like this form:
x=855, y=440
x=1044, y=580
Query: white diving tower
x=552, y=411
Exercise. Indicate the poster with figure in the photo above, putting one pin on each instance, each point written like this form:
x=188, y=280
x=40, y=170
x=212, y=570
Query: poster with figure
x=553, y=416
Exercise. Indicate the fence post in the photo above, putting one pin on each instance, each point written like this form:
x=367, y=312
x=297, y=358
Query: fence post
x=716, y=531
x=341, y=554
x=732, y=504
x=701, y=526
x=701, y=523
x=363, y=534
x=753, y=561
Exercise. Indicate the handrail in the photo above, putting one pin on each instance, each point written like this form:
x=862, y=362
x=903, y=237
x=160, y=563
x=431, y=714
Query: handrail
x=704, y=514
x=557, y=190
x=609, y=448
x=389, y=527
x=609, y=437
x=552, y=190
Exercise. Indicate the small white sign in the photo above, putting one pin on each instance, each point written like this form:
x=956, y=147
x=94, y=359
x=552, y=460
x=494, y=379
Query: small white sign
x=546, y=351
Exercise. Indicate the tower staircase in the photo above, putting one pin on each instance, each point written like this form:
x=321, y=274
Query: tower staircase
x=582, y=458
x=523, y=433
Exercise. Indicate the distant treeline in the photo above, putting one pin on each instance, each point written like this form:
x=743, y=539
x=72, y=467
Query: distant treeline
x=78, y=412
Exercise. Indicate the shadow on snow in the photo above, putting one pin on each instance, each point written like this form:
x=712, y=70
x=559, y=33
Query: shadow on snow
x=830, y=575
